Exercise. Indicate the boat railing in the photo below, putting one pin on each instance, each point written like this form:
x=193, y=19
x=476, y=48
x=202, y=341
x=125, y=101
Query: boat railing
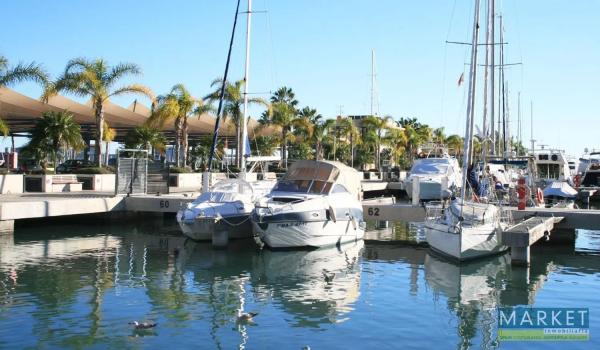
x=434, y=210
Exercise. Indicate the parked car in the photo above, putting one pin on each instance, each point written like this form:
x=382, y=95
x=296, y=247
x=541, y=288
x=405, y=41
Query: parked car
x=73, y=165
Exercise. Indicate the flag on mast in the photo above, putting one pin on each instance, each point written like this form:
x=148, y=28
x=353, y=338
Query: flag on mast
x=461, y=79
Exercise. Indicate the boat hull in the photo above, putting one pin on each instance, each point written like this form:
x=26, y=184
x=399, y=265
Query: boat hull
x=428, y=190
x=202, y=229
x=308, y=234
x=474, y=242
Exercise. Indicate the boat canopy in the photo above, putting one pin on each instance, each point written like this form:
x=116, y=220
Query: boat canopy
x=560, y=189
x=325, y=171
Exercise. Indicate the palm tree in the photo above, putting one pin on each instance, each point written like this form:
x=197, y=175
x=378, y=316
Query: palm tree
x=108, y=135
x=145, y=137
x=398, y=142
x=378, y=126
x=265, y=145
x=177, y=106
x=285, y=95
x=56, y=131
x=455, y=142
x=232, y=107
x=283, y=115
x=319, y=136
x=97, y=80
x=439, y=137
x=19, y=73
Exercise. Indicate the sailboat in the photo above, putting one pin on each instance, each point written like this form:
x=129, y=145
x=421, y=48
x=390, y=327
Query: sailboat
x=227, y=207
x=468, y=227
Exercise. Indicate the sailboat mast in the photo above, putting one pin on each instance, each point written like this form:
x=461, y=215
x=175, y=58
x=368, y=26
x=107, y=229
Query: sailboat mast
x=222, y=95
x=492, y=23
x=244, y=122
x=503, y=91
x=485, y=82
x=470, y=101
x=372, y=81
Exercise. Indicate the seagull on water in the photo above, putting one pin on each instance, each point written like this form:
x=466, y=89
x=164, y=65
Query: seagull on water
x=143, y=325
x=246, y=316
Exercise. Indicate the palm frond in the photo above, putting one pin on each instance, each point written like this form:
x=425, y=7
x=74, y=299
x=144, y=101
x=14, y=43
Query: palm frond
x=121, y=70
x=132, y=89
x=24, y=72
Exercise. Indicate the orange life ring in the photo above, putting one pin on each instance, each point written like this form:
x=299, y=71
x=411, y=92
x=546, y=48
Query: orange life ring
x=540, y=196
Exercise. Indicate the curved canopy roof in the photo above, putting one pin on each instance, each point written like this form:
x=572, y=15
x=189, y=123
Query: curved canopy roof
x=20, y=112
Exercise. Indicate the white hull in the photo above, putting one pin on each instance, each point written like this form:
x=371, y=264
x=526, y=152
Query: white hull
x=473, y=242
x=309, y=234
x=202, y=229
x=428, y=190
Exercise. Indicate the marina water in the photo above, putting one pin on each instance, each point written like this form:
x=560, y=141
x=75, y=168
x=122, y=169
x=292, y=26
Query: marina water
x=78, y=286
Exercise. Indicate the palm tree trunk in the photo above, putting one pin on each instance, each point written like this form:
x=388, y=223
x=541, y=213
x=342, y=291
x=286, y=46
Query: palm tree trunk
x=177, y=140
x=184, y=150
x=99, y=124
x=106, y=154
x=284, y=148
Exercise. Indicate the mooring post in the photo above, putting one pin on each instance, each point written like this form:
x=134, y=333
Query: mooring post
x=416, y=191
x=7, y=227
x=520, y=256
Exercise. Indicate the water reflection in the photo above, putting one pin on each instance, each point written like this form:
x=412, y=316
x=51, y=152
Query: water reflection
x=315, y=287
x=68, y=289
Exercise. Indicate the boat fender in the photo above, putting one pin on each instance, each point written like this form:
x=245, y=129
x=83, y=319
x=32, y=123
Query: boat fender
x=540, y=196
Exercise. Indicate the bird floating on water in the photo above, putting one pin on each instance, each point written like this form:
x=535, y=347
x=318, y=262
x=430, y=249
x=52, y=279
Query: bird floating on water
x=143, y=325
x=246, y=316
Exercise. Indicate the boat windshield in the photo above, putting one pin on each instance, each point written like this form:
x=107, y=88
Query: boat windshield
x=427, y=166
x=303, y=186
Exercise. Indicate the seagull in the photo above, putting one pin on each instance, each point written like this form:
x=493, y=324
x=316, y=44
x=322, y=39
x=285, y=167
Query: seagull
x=328, y=276
x=143, y=325
x=246, y=316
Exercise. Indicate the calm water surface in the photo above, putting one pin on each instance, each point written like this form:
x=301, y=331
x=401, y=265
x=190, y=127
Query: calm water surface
x=77, y=286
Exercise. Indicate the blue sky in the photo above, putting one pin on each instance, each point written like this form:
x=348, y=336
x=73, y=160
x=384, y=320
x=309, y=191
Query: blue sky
x=322, y=49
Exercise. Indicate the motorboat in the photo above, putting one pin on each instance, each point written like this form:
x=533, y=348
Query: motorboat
x=590, y=169
x=552, y=165
x=560, y=194
x=226, y=207
x=317, y=203
x=431, y=172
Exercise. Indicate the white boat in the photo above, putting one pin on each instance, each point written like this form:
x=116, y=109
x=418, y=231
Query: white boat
x=316, y=204
x=431, y=172
x=552, y=165
x=467, y=229
x=590, y=169
x=560, y=194
x=227, y=207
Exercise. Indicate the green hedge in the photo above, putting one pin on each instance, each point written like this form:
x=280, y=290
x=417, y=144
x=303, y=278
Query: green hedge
x=95, y=170
x=180, y=170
